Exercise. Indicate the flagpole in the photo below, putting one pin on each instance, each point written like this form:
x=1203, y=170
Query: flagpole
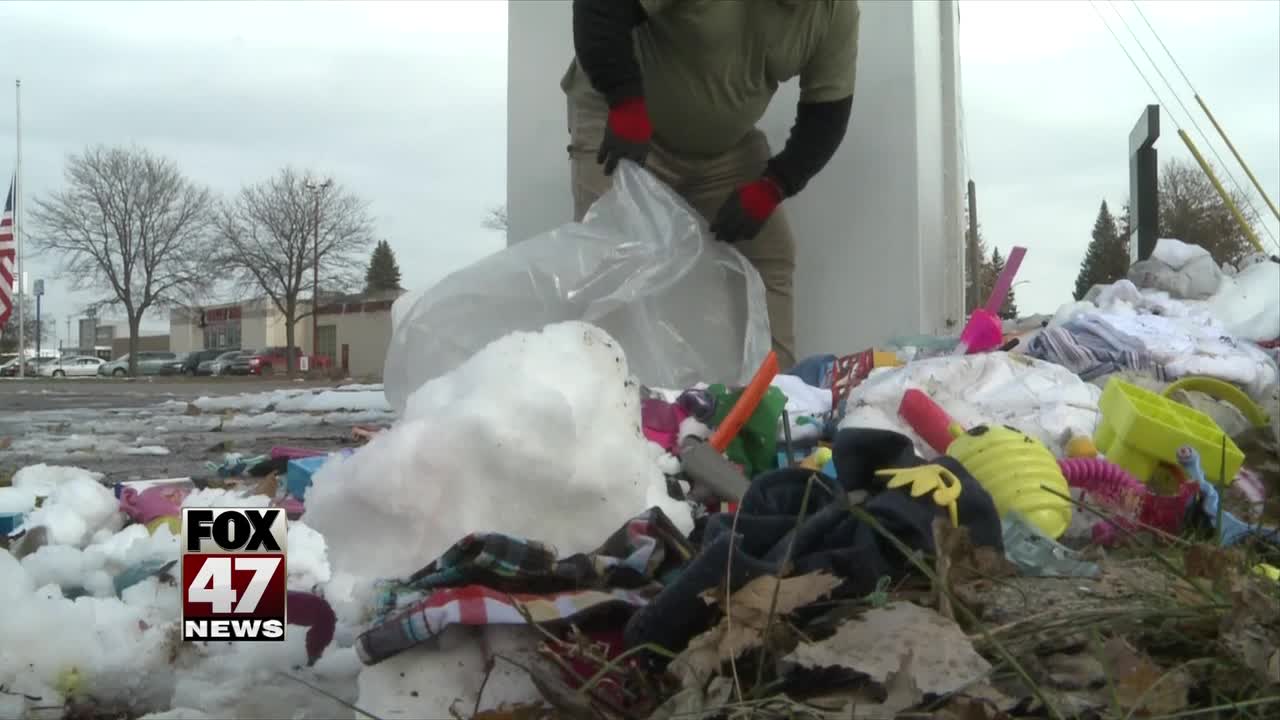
x=17, y=234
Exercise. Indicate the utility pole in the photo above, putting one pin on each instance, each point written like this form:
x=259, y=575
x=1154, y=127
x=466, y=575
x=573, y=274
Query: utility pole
x=17, y=232
x=971, y=247
x=39, y=334
x=316, y=190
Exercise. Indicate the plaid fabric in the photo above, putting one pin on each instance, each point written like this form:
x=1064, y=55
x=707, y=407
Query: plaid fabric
x=424, y=622
x=633, y=564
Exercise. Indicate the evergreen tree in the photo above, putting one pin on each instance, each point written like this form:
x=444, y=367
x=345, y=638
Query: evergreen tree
x=1107, y=258
x=1009, y=310
x=384, y=271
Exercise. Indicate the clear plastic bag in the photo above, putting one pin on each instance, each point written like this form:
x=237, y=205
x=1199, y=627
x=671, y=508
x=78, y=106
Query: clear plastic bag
x=641, y=266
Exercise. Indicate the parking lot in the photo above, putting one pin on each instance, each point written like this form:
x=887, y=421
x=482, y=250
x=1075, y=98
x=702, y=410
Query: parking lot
x=171, y=427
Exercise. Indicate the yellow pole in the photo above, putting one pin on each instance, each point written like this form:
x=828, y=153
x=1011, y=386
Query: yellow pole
x=1222, y=192
x=1239, y=159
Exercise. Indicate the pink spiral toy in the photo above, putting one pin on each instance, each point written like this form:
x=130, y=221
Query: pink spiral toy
x=1119, y=490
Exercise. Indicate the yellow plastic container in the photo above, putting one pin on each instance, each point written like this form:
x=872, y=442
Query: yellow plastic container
x=1140, y=429
x=1015, y=468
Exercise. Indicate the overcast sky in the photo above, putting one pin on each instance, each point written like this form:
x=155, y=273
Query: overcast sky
x=404, y=103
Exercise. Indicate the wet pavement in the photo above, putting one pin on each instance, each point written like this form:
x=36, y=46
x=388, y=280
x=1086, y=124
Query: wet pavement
x=153, y=428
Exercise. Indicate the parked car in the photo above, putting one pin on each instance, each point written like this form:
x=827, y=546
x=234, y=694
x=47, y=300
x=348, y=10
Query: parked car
x=34, y=365
x=219, y=365
x=71, y=366
x=188, y=364
x=149, y=363
x=276, y=359
x=9, y=368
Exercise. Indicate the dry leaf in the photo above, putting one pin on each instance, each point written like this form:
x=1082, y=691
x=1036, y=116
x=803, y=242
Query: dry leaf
x=756, y=597
x=747, y=616
x=1134, y=678
x=969, y=562
x=968, y=708
x=943, y=658
x=693, y=703
x=901, y=692
x=1250, y=632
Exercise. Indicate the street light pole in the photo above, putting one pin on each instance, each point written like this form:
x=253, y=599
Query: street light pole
x=39, y=334
x=316, y=190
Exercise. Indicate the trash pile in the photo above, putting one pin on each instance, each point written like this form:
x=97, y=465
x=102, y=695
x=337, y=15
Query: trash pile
x=1060, y=517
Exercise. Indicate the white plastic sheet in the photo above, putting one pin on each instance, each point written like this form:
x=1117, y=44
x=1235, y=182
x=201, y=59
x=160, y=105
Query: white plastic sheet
x=641, y=265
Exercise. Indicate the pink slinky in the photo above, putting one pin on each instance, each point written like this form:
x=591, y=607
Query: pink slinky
x=1120, y=491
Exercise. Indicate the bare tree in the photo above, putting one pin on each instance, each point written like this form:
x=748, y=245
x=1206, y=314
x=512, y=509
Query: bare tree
x=267, y=235
x=1192, y=211
x=496, y=219
x=130, y=226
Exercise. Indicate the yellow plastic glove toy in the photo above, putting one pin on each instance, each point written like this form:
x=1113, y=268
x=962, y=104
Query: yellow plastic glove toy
x=926, y=479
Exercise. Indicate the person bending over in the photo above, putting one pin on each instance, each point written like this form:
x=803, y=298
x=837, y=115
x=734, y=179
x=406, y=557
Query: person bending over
x=679, y=85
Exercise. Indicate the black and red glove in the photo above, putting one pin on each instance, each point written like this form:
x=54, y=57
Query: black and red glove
x=746, y=210
x=626, y=135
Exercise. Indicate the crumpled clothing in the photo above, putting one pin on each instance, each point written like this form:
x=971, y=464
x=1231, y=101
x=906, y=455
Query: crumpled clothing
x=829, y=537
x=1045, y=400
x=473, y=583
x=1086, y=354
x=314, y=613
x=425, y=621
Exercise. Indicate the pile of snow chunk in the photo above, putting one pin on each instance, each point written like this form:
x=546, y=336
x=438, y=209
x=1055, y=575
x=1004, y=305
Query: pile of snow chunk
x=123, y=653
x=537, y=435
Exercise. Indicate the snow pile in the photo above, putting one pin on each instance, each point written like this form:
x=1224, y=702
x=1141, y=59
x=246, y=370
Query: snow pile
x=75, y=504
x=1248, y=304
x=1042, y=399
x=1184, y=271
x=537, y=435
x=122, y=653
x=354, y=398
x=46, y=446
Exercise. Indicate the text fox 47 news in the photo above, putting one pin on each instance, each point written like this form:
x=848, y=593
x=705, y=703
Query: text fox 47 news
x=233, y=574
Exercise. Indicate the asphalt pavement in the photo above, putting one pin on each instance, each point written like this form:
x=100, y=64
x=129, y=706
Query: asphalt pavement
x=147, y=428
x=19, y=395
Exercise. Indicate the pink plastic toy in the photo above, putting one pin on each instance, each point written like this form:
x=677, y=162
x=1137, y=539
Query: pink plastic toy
x=984, y=332
x=154, y=502
x=1119, y=490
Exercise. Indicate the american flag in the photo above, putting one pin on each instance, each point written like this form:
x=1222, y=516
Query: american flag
x=8, y=257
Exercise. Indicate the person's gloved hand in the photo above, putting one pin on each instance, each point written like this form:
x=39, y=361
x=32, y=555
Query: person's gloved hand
x=626, y=135
x=746, y=210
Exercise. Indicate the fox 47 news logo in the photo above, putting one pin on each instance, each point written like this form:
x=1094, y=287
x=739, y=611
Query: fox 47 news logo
x=233, y=573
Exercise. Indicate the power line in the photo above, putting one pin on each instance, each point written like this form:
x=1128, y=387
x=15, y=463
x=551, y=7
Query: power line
x=1196, y=93
x=1154, y=92
x=1125, y=50
x=1162, y=45
x=1190, y=116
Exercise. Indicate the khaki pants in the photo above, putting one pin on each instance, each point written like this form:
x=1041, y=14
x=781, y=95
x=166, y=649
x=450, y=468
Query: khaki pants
x=705, y=183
